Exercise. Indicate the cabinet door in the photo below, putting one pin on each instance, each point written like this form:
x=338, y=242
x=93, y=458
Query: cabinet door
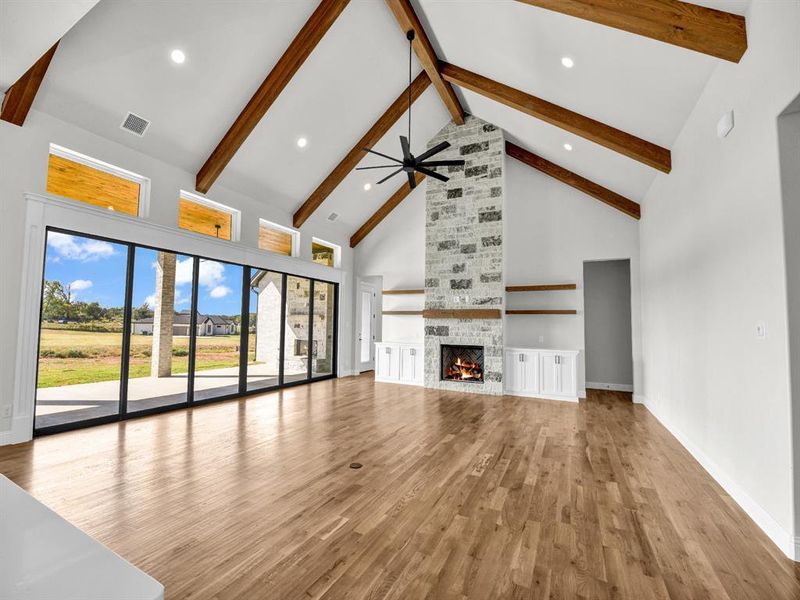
x=529, y=366
x=550, y=373
x=410, y=365
x=568, y=385
x=511, y=377
x=387, y=362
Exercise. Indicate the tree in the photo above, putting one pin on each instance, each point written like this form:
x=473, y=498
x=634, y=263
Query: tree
x=57, y=301
x=143, y=312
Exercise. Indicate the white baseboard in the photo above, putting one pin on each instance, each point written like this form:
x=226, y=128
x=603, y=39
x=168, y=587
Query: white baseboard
x=787, y=542
x=538, y=396
x=582, y=394
x=614, y=387
x=639, y=399
x=19, y=433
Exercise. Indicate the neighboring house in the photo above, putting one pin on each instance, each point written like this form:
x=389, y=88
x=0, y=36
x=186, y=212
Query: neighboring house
x=206, y=325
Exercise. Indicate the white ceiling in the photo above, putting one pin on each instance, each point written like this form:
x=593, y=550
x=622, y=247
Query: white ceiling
x=117, y=59
x=29, y=28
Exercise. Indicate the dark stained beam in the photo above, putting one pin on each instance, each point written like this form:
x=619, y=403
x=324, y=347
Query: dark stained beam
x=295, y=55
x=697, y=28
x=20, y=96
x=349, y=162
x=383, y=211
x=408, y=20
x=595, y=131
x=621, y=203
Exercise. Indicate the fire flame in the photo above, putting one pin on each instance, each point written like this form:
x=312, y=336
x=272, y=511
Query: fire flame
x=464, y=370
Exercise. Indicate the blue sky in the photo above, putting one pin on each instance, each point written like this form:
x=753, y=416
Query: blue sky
x=95, y=270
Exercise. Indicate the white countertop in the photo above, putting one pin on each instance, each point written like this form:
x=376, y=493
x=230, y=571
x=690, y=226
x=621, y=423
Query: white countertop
x=44, y=557
x=526, y=349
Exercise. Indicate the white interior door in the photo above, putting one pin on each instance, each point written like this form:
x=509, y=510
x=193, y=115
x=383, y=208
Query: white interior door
x=366, y=327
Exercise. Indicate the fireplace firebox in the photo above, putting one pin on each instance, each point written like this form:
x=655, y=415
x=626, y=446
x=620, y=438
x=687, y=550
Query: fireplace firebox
x=462, y=363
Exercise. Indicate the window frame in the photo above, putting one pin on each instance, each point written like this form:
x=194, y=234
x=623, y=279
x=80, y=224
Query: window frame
x=236, y=215
x=94, y=163
x=123, y=414
x=337, y=251
x=295, y=233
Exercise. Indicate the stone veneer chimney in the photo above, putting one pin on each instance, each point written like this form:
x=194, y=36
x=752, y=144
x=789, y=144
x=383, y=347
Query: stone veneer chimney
x=464, y=251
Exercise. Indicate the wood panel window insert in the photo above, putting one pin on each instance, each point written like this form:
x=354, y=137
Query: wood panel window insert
x=205, y=217
x=274, y=238
x=83, y=179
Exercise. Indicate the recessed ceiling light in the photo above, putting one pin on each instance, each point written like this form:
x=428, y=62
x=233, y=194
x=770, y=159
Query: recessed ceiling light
x=302, y=142
x=367, y=187
x=177, y=56
x=568, y=147
x=567, y=62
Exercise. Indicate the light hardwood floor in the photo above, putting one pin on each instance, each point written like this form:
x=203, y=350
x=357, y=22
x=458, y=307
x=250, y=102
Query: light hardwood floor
x=460, y=496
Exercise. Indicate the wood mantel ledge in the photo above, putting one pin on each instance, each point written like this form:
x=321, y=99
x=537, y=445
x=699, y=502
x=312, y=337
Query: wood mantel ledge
x=462, y=313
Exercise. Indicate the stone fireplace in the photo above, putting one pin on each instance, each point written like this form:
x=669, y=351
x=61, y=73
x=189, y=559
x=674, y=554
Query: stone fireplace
x=464, y=280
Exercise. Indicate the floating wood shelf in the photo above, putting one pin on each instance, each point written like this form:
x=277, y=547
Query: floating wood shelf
x=552, y=311
x=544, y=287
x=463, y=313
x=397, y=292
x=402, y=312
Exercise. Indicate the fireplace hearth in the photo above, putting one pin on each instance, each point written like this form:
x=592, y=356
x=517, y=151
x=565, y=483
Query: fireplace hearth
x=462, y=363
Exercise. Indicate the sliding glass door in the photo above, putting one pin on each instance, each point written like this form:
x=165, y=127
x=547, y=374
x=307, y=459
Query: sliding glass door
x=264, y=329
x=219, y=316
x=158, y=361
x=80, y=330
x=296, y=335
x=322, y=339
x=128, y=330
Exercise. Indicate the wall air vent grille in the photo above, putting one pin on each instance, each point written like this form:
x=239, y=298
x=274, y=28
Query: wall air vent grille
x=333, y=216
x=135, y=124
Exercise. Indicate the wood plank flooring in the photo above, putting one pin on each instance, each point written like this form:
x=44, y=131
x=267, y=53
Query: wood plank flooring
x=460, y=497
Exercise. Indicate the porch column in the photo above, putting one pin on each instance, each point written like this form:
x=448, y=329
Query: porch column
x=163, y=316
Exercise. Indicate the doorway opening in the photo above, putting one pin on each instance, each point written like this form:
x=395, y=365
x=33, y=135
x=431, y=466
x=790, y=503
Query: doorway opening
x=607, y=325
x=366, y=310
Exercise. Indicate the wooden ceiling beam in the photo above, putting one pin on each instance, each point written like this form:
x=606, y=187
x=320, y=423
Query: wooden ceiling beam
x=19, y=98
x=356, y=154
x=706, y=30
x=595, y=131
x=621, y=203
x=408, y=20
x=383, y=211
x=298, y=51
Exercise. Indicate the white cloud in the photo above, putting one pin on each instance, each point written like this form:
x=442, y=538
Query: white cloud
x=150, y=300
x=83, y=249
x=211, y=274
x=80, y=284
x=220, y=291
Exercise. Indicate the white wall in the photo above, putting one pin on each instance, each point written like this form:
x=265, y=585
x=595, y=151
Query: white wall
x=551, y=229
x=607, y=324
x=712, y=266
x=23, y=168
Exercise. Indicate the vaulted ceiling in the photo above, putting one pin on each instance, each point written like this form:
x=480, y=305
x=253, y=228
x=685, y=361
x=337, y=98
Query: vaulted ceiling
x=116, y=59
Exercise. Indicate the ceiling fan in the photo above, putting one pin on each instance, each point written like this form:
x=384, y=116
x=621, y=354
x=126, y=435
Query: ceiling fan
x=410, y=163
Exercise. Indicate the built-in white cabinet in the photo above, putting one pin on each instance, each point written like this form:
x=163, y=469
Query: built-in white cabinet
x=549, y=374
x=400, y=362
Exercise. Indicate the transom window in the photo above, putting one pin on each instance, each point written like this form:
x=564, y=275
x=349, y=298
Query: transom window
x=277, y=238
x=201, y=215
x=325, y=253
x=85, y=179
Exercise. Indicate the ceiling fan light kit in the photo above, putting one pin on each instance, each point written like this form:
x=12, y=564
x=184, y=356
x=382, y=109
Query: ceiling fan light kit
x=411, y=164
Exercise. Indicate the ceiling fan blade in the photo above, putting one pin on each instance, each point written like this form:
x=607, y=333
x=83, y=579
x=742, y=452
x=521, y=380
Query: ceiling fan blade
x=435, y=150
x=405, y=146
x=383, y=155
x=430, y=173
x=377, y=167
x=442, y=163
x=390, y=176
x=412, y=181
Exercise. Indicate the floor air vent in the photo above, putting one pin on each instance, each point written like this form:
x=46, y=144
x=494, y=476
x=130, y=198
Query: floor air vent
x=135, y=124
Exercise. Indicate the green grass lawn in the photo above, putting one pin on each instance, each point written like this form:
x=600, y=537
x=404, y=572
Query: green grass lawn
x=71, y=357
